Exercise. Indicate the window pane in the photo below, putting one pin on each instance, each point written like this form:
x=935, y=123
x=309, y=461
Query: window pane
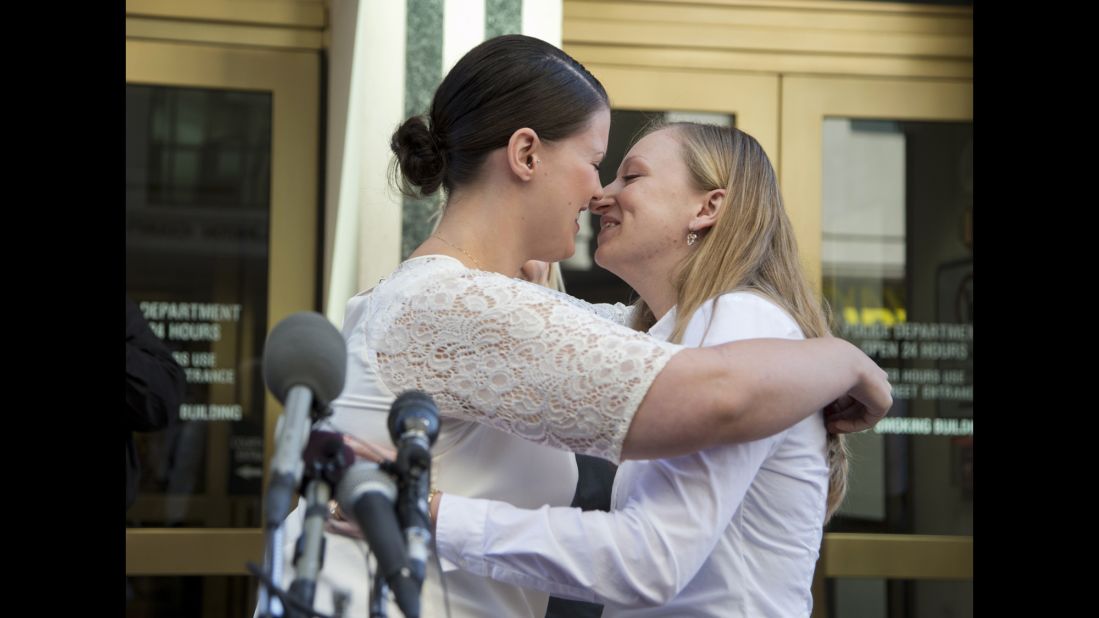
x=897, y=265
x=197, y=213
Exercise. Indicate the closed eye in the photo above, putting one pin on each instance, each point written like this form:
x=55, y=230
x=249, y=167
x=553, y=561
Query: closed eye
x=630, y=177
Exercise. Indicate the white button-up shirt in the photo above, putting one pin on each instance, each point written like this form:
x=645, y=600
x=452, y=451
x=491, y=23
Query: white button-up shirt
x=730, y=531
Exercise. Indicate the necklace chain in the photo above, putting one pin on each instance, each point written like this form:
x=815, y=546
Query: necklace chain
x=463, y=251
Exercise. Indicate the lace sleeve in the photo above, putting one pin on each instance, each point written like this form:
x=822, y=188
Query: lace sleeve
x=518, y=358
x=618, y=313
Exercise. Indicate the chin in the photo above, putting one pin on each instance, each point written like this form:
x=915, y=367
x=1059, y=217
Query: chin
x=606, y=262
x=565, y=251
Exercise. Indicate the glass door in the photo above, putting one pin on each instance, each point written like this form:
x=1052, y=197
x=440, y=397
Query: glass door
x=221, y=220
x=878, y=179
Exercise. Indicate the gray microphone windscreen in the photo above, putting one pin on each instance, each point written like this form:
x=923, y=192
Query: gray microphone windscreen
x=364, y=477
x=305, y=349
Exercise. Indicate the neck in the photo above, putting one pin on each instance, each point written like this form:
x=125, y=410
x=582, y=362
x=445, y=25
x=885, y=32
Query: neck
x=660, y=299
x=476, y=230
x=654, y=285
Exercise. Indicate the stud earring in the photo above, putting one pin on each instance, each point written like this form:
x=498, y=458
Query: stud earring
x=692, y=237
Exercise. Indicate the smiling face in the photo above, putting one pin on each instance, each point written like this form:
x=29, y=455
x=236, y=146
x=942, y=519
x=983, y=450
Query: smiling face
x=645, y=212
x=568, y=178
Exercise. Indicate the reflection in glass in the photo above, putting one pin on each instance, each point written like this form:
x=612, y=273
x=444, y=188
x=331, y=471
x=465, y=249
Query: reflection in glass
x=897, y=266
x=198, y=177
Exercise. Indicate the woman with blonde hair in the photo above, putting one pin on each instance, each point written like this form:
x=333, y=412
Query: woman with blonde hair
x=695, y=223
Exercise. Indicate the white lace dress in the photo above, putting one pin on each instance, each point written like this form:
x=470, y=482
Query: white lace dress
x=502, y=358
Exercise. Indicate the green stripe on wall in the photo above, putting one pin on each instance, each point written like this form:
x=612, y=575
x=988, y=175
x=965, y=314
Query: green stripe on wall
x=503, y=17
x=423, y=72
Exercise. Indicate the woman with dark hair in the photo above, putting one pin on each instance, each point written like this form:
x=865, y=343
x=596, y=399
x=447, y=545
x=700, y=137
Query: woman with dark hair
x=514, y=138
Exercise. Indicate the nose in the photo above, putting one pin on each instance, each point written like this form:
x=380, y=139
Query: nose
x=603, y=200
x=599, y=192
x=600, y=205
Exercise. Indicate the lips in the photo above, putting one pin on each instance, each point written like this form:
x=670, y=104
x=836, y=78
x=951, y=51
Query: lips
x=606, y=224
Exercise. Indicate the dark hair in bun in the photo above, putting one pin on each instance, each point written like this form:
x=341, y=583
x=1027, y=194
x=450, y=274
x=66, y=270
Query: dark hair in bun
x=500, y=86
x=421, y=161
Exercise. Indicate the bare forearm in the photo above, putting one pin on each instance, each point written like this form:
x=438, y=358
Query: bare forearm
x=745, y=391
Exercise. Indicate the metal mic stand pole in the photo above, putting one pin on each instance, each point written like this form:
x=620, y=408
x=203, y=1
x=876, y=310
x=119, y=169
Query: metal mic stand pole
x=310, y=553
x=322, y=471
x=270, y=606
x=286, y=471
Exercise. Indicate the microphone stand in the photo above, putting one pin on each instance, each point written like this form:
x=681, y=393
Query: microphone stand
x=304, y=367
x=286, y=471
x=322, y=473
x=309, y=555
x=270, y=606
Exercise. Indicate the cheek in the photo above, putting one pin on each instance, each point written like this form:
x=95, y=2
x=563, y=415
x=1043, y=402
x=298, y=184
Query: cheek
x=587, y=181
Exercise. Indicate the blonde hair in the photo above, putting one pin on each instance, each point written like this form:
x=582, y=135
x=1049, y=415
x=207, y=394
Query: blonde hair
x=556, y=280
x=751, y=247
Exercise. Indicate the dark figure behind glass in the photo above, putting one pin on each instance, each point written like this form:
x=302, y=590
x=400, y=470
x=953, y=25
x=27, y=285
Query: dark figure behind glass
x=154, y=389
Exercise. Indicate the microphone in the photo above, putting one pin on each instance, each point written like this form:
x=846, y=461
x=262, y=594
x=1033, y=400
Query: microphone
x=367, y=494
x=414, y=426
x=304, y=366
x=326, y=457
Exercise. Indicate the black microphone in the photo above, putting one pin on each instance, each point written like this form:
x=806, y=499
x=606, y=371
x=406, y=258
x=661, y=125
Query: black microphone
x=414, y=426
x=367, y=494
x=326, y=457
x=304, y=366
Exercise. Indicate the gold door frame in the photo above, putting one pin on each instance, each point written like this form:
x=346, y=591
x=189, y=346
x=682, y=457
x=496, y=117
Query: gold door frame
x=898, y=556
x=293, y=79
x=751, y=98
